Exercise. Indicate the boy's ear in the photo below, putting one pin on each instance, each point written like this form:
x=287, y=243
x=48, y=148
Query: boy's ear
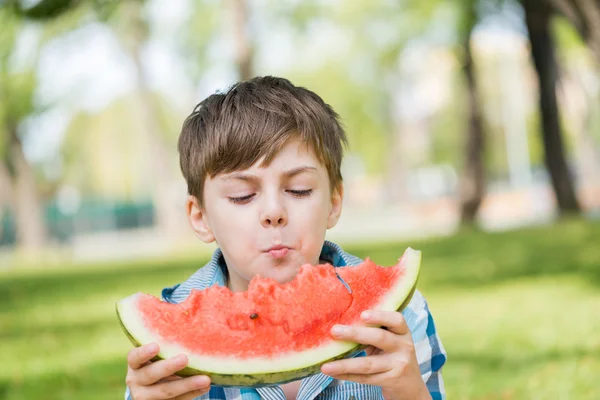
x=337, y=198
x=198, y=221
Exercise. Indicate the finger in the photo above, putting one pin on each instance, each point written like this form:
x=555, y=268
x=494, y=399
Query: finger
x=392, y=320
x=178, y=388
x=161, y=369
x=380, y=338
x=359, y=365
x=139, y=356
x=170, y=378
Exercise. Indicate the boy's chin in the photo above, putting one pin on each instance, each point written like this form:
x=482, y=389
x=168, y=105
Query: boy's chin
x=282, y=270
x=283, y=273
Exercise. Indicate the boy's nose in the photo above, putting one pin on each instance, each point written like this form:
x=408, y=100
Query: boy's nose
x=274, y=221
x=273, y=215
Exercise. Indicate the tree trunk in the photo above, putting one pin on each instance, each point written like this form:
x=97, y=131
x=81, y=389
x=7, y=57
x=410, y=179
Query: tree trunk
x=6, y=188
x=472, y=185
x=166, y=215
x=6, y=194
x=29, y=213
x=243, y=45
x=585, y=17
x=538, y=17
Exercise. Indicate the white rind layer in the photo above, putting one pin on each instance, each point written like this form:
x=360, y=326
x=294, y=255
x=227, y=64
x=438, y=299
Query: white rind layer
x=394, y=298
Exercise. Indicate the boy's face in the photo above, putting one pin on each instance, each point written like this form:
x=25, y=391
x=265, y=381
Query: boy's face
x=268, y=221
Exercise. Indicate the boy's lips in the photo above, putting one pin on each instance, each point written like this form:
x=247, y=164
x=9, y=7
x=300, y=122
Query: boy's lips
x=278, y=251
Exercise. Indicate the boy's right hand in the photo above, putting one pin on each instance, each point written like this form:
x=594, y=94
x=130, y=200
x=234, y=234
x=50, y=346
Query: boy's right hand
x=156, y=380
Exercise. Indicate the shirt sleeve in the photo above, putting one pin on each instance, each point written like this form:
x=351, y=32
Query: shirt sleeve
x=431, y=354
x=127, y=394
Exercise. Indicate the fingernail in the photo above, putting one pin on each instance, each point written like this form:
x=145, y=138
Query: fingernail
x=201, y=381
x=326, y=369
x=366, y=315
x=339, y=330
x=153, y=348
x=181, y=359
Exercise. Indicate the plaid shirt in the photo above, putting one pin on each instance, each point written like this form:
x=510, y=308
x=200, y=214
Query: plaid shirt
x=430, y=351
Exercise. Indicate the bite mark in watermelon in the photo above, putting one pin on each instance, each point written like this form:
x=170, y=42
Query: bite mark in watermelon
x=272, y=333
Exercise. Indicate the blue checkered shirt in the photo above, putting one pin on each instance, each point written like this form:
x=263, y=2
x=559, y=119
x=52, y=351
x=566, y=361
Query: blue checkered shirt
x=430, y=351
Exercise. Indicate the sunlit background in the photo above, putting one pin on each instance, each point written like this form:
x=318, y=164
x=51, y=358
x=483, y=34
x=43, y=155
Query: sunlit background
x=474, y=130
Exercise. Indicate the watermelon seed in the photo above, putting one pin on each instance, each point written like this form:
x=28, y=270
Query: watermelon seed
x=253, y=316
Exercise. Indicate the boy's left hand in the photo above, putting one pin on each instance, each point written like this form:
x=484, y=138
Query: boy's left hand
x=391, y=361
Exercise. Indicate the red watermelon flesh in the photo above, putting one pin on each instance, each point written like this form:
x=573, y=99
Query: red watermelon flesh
x=269, y=321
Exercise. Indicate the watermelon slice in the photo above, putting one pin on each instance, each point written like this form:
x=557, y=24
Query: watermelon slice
x=272, y=333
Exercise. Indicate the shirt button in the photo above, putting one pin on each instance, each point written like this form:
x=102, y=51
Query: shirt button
x=352, y=398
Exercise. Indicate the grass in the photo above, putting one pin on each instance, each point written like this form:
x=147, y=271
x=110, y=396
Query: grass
x=517, y=312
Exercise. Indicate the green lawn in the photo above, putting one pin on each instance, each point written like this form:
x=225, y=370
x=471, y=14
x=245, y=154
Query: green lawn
x=519, y=314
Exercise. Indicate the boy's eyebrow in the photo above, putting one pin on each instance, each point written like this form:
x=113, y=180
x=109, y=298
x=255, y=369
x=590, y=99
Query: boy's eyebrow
x=251, y=178
x=242, y=177
x=295, y=171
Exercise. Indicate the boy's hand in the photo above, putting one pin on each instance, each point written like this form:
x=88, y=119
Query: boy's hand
x=391, y=361
x=155, y=380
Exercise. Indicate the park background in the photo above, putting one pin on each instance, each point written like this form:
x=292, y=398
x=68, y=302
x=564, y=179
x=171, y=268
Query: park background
x=474, y=129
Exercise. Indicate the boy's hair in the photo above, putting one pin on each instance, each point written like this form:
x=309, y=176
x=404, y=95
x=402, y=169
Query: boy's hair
x=230, y=131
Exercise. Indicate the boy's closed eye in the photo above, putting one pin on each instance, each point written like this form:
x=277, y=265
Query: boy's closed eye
x=247, y=198
x=300, y=192
x=241, y=199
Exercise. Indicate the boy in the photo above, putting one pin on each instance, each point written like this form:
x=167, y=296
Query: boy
x=262, y=165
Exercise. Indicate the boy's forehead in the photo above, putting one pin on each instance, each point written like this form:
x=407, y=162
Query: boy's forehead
x=247, y=174
x=293, y=158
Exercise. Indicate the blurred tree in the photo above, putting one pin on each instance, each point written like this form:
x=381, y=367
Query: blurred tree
x=119, y=171
x=129, y=21
x=581, y=103
x=19, y=180
x=538, y=16
x=211, y=22
x=239, y=19
x=132, y=27
x=42, y=10
x=472, y=182
x=194, y=39
x=585, y=17
x=363, y=76
x=17, y=102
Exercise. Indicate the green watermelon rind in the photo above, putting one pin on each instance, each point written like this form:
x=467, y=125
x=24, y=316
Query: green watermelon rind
x=262, y=379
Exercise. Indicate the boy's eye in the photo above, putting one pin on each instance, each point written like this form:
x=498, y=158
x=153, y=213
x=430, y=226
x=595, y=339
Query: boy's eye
x=301, y=193
x=242, y=199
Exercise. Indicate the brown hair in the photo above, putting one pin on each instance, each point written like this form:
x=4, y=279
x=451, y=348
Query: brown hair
x=230, y=131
